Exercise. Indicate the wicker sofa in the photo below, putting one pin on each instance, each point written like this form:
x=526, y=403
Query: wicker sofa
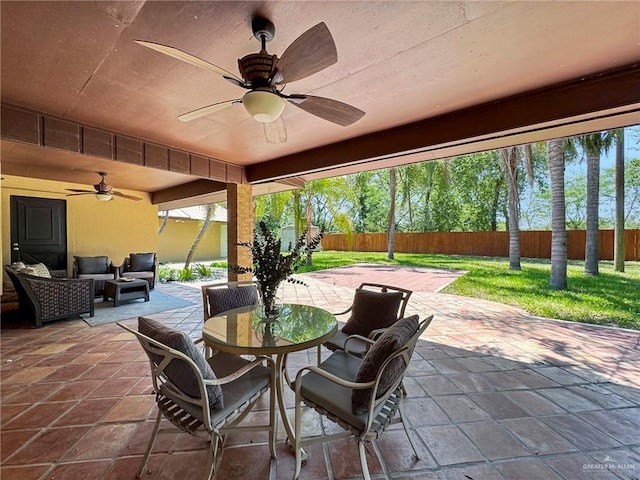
x=43, y=299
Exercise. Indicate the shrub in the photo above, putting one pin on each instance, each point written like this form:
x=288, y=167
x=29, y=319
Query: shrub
x=167, y=274
x=204, y=271
x=185, y=275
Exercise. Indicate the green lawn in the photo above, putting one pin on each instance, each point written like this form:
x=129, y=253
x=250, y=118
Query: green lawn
x=612, y=298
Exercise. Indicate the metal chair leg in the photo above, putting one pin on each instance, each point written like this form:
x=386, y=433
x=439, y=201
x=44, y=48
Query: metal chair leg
x=407, y=426
x=363, y=460
x=152, y=440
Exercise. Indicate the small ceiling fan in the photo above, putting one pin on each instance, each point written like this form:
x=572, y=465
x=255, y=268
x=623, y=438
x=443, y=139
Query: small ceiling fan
x=103, y=191
x=265, y=76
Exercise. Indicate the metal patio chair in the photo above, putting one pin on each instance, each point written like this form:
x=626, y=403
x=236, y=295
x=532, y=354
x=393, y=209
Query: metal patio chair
x=363, y=396
x=375, y=307
x=203, y=397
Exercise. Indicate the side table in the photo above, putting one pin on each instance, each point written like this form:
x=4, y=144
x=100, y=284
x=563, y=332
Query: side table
x=125, y=290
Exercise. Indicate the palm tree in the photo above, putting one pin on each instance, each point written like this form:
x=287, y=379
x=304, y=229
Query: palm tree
x=593, y=145
x=619, y=250
x=391, y=226
x=555, y=156
x=510, y=163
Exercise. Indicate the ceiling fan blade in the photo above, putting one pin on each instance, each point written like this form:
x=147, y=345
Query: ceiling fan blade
x=311, y=52
x=201, y=112
x=128, y=197
x=76, y=194
x=79, y=190
x=276, y=131
x=191, y=59
x=328, y=109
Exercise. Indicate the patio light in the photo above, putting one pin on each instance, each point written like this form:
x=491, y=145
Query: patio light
x=103, y=196
x=263, y=106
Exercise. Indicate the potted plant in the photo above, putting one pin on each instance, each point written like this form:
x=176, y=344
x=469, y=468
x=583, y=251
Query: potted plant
x=271, y=266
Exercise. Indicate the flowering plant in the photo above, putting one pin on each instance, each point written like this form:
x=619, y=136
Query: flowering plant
x=271, y=266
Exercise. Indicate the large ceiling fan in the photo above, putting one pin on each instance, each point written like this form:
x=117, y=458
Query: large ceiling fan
x=266, y=75
x=103, y=191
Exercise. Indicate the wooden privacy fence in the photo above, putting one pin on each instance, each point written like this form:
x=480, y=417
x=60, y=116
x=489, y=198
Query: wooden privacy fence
x=533, y=244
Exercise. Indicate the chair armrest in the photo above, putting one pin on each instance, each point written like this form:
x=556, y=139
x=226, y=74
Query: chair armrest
x=332, y=378
x=345, y=312
x=117, y=269
x=366, y=340
x=62, y=286
x=241, y=371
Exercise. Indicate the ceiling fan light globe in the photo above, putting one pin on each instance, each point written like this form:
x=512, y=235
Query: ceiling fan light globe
x=263, y=106
x=103, y=197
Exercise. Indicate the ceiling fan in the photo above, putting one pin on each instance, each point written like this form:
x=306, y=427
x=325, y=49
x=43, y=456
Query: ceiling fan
x=103, y=191
x=266, y=75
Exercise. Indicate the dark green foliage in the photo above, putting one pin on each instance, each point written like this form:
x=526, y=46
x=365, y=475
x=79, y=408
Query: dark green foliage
x=271, y=266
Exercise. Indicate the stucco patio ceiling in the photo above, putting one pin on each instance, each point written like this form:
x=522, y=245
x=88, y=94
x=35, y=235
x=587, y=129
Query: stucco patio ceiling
x=434, y=78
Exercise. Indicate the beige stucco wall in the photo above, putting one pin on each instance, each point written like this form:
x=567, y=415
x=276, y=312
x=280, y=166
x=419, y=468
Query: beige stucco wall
x=114, y=228
x=177, y=237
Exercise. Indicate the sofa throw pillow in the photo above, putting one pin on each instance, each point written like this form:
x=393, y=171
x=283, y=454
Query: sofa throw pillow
x=223, y=299
x=179, y=372
x=41, y=270
x=89, y=265
x=389, y=342
x=37, y=270
x=372, y=310
x=28, y=271
x=141, y=262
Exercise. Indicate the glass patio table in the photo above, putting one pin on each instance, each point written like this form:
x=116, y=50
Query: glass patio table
x=243, y=331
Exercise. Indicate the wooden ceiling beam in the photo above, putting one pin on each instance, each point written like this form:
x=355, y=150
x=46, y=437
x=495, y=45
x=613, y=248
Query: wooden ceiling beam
x=583, y=96
x=187, y=190
x=26, y=126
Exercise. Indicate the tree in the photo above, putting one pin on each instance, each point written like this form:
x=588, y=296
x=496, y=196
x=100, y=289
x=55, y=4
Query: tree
x=555, y=156
x=209, y=210
x=619, y=250
x=272, y=210
x=510, y=164
x=309, y=212
x=593, y=145
x=391, y=223
x=165, y=220
x=477, y=182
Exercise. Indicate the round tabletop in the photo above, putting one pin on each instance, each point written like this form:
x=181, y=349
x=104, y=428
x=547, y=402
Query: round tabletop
x=244, y=331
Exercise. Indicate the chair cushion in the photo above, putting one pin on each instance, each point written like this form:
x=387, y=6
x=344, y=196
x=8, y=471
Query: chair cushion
x=179, y=372
x=330, y=396
x=223, y=299
x=138, y=274
x=372, y=310
x=389, y=342
x=88, y=265
x=97, y=276
x=140, y=262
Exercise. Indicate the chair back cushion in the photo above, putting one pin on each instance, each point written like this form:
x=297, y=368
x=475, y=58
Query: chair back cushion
x=88, y=265
x=178, y=371
x=141, y=262
x=396, y=337
x=372, y=310
x=228, y=298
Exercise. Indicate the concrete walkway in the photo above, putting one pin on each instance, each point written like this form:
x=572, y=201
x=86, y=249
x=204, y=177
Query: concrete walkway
x=493, y=393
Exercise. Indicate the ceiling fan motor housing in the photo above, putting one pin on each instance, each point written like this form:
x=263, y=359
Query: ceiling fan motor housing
x=258, y=69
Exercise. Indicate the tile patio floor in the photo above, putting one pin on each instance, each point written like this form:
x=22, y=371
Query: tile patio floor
x=494, y=393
